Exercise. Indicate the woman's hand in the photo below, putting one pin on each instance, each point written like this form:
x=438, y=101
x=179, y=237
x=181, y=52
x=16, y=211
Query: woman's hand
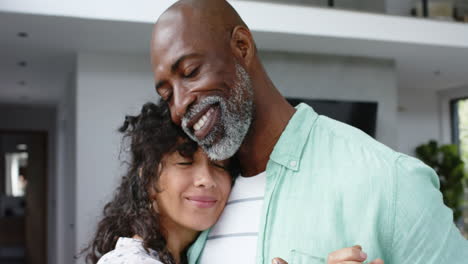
x=278, y=261
x=351, y=255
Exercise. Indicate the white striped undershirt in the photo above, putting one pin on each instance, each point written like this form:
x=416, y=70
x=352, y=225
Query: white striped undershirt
x=233, y=238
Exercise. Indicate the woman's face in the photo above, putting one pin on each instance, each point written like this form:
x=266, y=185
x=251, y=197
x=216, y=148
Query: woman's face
x=193, y=190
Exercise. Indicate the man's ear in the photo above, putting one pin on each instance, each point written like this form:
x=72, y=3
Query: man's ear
x=243, y=45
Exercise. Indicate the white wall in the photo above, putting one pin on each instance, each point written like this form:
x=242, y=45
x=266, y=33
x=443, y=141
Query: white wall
x=445, y=96
x=66, y=171
x=109, y=86
x=339, y=78
x=425, y=115
x=418, y=118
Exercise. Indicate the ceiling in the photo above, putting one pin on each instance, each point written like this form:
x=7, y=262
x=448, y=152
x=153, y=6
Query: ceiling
x=52, y=42
x=50, y=49
x=377, y=6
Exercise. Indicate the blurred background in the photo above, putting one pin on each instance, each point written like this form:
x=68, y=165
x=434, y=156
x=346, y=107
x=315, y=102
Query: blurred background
x=71, y=70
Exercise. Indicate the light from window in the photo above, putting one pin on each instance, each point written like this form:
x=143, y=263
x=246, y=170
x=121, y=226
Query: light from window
x=460, y=137
x=462, y=106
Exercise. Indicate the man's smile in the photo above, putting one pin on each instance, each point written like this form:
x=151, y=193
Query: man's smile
x=219, y=123
x=204, y=121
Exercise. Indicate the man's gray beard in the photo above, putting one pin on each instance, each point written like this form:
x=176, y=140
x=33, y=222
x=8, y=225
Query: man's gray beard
x=235, y=119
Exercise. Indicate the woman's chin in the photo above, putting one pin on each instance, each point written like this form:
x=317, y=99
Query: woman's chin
x=202, y=224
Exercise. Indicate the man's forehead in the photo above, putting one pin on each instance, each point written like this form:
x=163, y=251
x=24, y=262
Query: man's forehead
x=171, y=43
x=170, y=25
x=170, y=47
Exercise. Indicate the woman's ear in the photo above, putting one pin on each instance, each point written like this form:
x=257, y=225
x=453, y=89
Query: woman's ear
x=152, y=194
x=154, y=206
x=243, y=45
x=153, y=189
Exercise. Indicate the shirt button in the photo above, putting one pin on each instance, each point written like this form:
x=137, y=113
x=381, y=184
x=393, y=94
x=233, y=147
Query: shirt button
x=293, y=163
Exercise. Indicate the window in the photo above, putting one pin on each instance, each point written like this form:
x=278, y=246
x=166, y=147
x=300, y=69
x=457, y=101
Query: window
x=459, y=109
x=460, y=126
x=16, y=164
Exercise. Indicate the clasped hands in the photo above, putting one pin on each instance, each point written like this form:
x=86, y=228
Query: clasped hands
x=350, y=255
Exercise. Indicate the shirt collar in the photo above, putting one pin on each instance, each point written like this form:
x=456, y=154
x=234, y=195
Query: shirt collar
x=289, y=148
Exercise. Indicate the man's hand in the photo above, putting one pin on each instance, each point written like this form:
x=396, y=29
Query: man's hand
x=351, y=255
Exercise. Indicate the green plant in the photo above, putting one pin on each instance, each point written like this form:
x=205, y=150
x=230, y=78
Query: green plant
x=446, y=161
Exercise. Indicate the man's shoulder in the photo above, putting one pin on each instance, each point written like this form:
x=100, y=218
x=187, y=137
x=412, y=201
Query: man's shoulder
x=337, y=156
x=348, y=145
x=322, y=141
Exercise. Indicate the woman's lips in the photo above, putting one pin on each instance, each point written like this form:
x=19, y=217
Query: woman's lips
x=202, y=201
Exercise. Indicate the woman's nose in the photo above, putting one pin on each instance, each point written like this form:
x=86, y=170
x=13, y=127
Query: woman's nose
x=205, y=179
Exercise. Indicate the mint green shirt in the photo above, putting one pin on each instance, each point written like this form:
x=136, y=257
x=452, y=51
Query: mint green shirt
x=331, y=186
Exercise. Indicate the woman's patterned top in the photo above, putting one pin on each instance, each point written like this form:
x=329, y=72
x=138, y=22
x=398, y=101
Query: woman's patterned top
x=130, y=251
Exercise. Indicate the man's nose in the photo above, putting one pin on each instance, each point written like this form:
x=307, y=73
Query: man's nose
x=183, y=98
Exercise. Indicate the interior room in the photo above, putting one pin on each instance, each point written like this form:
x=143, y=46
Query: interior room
x=71, y=70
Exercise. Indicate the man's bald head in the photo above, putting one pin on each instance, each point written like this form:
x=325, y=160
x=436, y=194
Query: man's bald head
x=218, y=11
x=211, y=21
x=216, y=16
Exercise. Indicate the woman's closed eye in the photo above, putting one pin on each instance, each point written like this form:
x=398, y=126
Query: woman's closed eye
x=185, y=163
x=219, y=165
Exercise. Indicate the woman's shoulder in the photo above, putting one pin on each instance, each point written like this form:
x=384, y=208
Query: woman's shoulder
x=129, y=251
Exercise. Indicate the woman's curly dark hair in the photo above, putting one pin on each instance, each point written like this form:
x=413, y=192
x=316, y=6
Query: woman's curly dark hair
x=151, y=135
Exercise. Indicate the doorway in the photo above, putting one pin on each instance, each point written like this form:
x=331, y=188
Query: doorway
x=23, y=196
